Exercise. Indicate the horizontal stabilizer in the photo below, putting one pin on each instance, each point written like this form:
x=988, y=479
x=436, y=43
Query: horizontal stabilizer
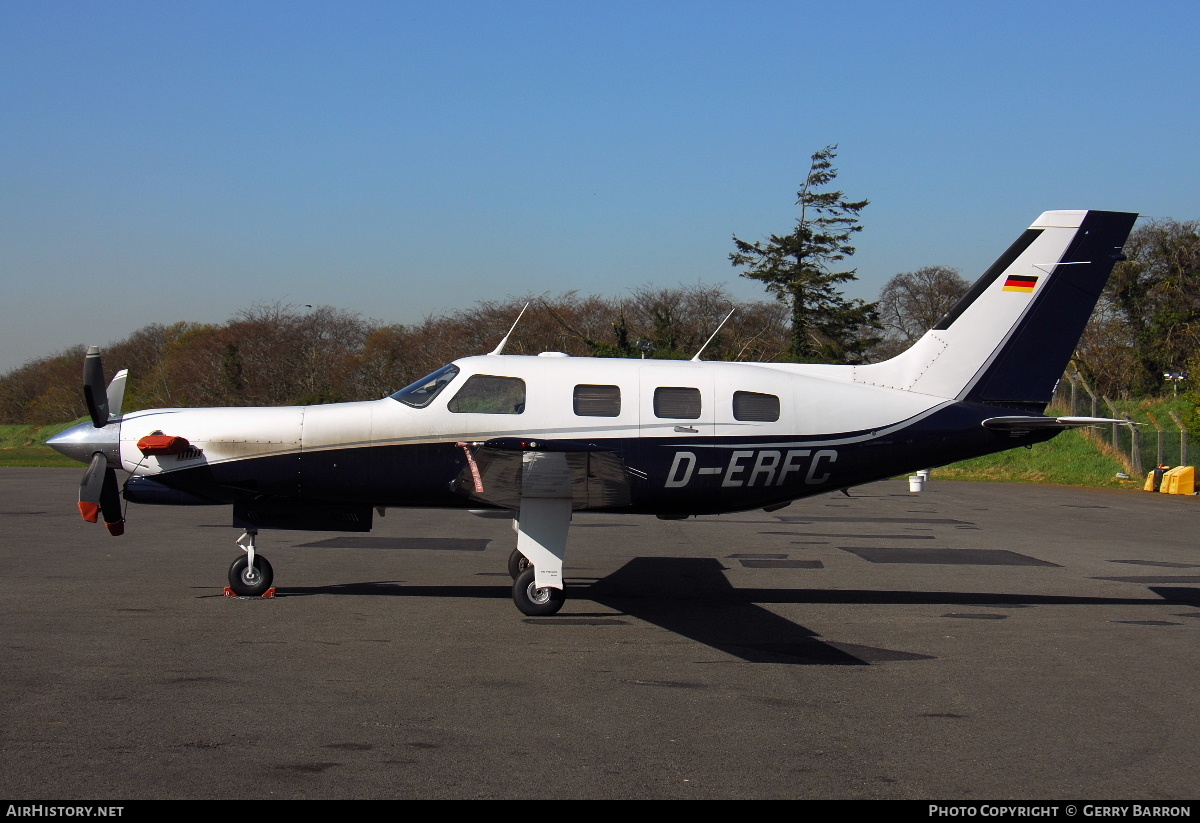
x=1027, y=424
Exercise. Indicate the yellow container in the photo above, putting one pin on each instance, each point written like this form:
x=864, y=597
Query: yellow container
x=1179, y=480
x=1186, y=482
x=1165, y=485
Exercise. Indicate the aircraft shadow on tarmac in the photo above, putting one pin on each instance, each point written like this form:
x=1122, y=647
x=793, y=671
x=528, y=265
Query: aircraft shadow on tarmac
x=693, y=598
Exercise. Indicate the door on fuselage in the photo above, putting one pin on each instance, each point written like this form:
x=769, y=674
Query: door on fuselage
x=677, y=422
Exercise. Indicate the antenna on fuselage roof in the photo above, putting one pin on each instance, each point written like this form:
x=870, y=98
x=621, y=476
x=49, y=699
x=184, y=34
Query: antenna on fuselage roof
x=500, y=348
x=696, y=359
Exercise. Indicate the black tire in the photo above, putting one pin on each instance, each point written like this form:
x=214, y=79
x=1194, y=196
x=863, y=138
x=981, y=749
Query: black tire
x=517, y=563
x=255, y=586
x=533, y=601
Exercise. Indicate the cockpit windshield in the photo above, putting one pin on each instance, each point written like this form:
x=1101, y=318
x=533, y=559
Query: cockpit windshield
x=421, y=394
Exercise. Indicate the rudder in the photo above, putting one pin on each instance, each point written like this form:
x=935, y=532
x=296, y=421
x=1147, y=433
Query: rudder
x=1008, y=340
x=1032, y=360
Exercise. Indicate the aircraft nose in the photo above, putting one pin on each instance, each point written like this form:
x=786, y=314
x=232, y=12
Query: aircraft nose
x=82, y=441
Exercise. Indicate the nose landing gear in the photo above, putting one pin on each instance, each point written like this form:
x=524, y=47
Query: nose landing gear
x=251, y=574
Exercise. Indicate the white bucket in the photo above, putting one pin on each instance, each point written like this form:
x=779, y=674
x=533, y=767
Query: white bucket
x=916, y=483
x=924, y=475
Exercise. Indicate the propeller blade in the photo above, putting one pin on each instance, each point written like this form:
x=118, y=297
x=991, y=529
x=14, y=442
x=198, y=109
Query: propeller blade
x=92, y=487
x=110, y=504
x=116, y=393
x=94, y=393
x=100, y=494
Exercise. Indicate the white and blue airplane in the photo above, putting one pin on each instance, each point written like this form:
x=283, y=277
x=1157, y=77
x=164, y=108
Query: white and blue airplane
x=536, y=438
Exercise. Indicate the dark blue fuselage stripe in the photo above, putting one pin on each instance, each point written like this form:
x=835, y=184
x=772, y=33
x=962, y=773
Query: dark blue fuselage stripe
x=738, y=474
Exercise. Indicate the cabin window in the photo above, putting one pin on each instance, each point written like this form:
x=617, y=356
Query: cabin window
x=489, y=394
x=421, y=394
x=597, y=401
x=755, y=407
x=677, y=403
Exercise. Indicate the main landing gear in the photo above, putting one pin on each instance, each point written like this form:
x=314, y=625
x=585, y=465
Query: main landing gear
x=527, y=596
x=251, y=574
x=517, y=563
x=534, y=601
x=536, y=565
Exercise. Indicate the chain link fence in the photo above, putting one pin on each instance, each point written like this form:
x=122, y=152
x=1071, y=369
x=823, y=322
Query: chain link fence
x=1141, y=445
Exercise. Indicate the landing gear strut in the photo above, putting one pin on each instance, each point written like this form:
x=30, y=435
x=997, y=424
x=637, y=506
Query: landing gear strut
x=251, y=574
x=541, y=525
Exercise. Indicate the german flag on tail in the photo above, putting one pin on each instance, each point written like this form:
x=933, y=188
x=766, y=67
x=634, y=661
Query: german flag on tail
x=1020, y=282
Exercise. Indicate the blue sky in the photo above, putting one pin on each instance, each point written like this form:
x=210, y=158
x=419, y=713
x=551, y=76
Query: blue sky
x=168, y=161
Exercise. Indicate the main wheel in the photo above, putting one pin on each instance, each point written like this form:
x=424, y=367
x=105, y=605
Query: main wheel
x=249, y=583
x=533, y=601
x=517, y=563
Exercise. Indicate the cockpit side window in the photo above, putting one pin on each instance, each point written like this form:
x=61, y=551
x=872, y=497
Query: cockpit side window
x=489, y=394
x=421, y=394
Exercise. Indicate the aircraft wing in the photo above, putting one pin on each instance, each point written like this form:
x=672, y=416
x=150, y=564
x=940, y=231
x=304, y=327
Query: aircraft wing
x=503, y=470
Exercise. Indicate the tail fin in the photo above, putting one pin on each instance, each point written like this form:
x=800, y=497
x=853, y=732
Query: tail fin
x=1008, y=340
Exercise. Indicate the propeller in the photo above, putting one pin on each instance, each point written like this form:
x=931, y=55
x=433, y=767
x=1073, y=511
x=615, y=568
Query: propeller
x=99, y=492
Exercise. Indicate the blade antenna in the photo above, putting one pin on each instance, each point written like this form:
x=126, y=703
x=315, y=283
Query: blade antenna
x=696, y=359
x=500, y=348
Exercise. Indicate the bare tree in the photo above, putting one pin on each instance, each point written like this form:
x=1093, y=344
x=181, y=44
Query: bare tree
x=912, y=303
x=279, y=354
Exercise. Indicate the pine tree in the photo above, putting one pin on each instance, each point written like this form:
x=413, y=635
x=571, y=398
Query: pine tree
x=798, y=269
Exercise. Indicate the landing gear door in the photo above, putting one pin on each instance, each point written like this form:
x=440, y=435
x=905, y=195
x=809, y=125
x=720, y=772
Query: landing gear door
x=677, y=421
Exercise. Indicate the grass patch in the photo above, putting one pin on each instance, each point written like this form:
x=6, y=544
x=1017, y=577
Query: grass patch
x=26, y=445
x=1070, y=459
x=1159, y=408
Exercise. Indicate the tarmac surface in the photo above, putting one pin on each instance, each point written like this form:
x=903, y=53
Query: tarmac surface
x=971, y=642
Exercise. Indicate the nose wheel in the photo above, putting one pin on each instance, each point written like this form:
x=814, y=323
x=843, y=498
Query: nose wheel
x=251, y=574
x=250, y=581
